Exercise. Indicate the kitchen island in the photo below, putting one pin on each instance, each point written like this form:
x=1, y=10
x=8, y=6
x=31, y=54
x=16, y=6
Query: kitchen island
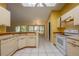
x=12, y=42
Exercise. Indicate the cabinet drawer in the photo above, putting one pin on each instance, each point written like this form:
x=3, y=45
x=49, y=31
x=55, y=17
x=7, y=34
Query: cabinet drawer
x=73, y=41
x=8, y=48
x=5, y=41
x=30, y=40
x=21, y=43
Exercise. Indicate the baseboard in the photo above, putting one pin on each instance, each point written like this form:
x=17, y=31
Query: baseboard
x=23, y=48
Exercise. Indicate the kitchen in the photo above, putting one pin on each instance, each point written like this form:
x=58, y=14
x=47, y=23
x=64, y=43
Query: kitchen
x=64, y=33
x=65, y=27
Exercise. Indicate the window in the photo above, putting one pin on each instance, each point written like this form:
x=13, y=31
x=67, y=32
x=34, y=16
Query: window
x=41, y=30
x=23, y=28
x=36, y=28
x=31, y=29
x=17, y=29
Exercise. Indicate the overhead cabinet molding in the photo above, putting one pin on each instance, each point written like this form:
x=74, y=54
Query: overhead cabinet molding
x=4, y=17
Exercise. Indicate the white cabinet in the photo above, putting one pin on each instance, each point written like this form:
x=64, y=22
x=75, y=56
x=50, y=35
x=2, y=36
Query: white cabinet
x=31, y=41
x=72, y=14
x=4, y=17
x=27, y=41
x=21, y=43
x=67, y=16
x=8, y=46
x=76, y=15
x=72, y=50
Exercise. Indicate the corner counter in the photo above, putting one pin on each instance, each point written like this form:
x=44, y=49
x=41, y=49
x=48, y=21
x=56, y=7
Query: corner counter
x=12, y=42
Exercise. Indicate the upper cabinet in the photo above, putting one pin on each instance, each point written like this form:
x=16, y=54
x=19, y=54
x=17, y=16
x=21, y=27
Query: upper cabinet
x=76, y=15
x=71, y=17
x=4, y=17
x=67, y=16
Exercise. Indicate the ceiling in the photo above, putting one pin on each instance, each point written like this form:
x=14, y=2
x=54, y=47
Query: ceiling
x=18, y=12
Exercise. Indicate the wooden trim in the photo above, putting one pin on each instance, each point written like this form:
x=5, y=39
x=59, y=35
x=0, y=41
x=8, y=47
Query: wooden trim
x=8, y=33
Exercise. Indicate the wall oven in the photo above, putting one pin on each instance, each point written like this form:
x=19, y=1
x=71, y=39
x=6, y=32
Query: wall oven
x=61, y=43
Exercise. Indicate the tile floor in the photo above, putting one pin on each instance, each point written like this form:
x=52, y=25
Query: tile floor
x=45, y=49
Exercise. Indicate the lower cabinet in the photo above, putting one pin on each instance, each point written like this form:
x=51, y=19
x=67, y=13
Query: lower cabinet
x=21, y=43
x=73, y=50
x=8, y=46
x=26, y=42
x=72, y=47
x=31, y=41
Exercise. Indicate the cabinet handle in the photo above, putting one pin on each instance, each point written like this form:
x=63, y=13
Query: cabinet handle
x=74, y=42
x=22, y=38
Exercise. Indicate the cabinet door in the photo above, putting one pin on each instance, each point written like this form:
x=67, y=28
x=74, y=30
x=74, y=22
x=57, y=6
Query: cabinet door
x=8, y=47
x=4, y=17
x=14, y=44
x=72, y=50
x=21, y=43
x=7, y=18
x=31, y=41
x=76, y=17
x=75, y=14
x=65, y=16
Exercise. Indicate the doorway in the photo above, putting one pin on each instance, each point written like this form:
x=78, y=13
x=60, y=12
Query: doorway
x=49, y=30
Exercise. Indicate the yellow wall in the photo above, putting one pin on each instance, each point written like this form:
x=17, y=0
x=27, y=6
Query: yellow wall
x=53, y=21
x=3, y=5
x=68, y=7
x=54, y=16
x=3, y=28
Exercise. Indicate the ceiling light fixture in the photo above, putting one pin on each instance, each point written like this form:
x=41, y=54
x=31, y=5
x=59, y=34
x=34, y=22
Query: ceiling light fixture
x=39, y=4
x=50, y=4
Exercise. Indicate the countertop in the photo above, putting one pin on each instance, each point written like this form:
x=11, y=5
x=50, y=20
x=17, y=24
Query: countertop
x=8, y=35
x=73, y=36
